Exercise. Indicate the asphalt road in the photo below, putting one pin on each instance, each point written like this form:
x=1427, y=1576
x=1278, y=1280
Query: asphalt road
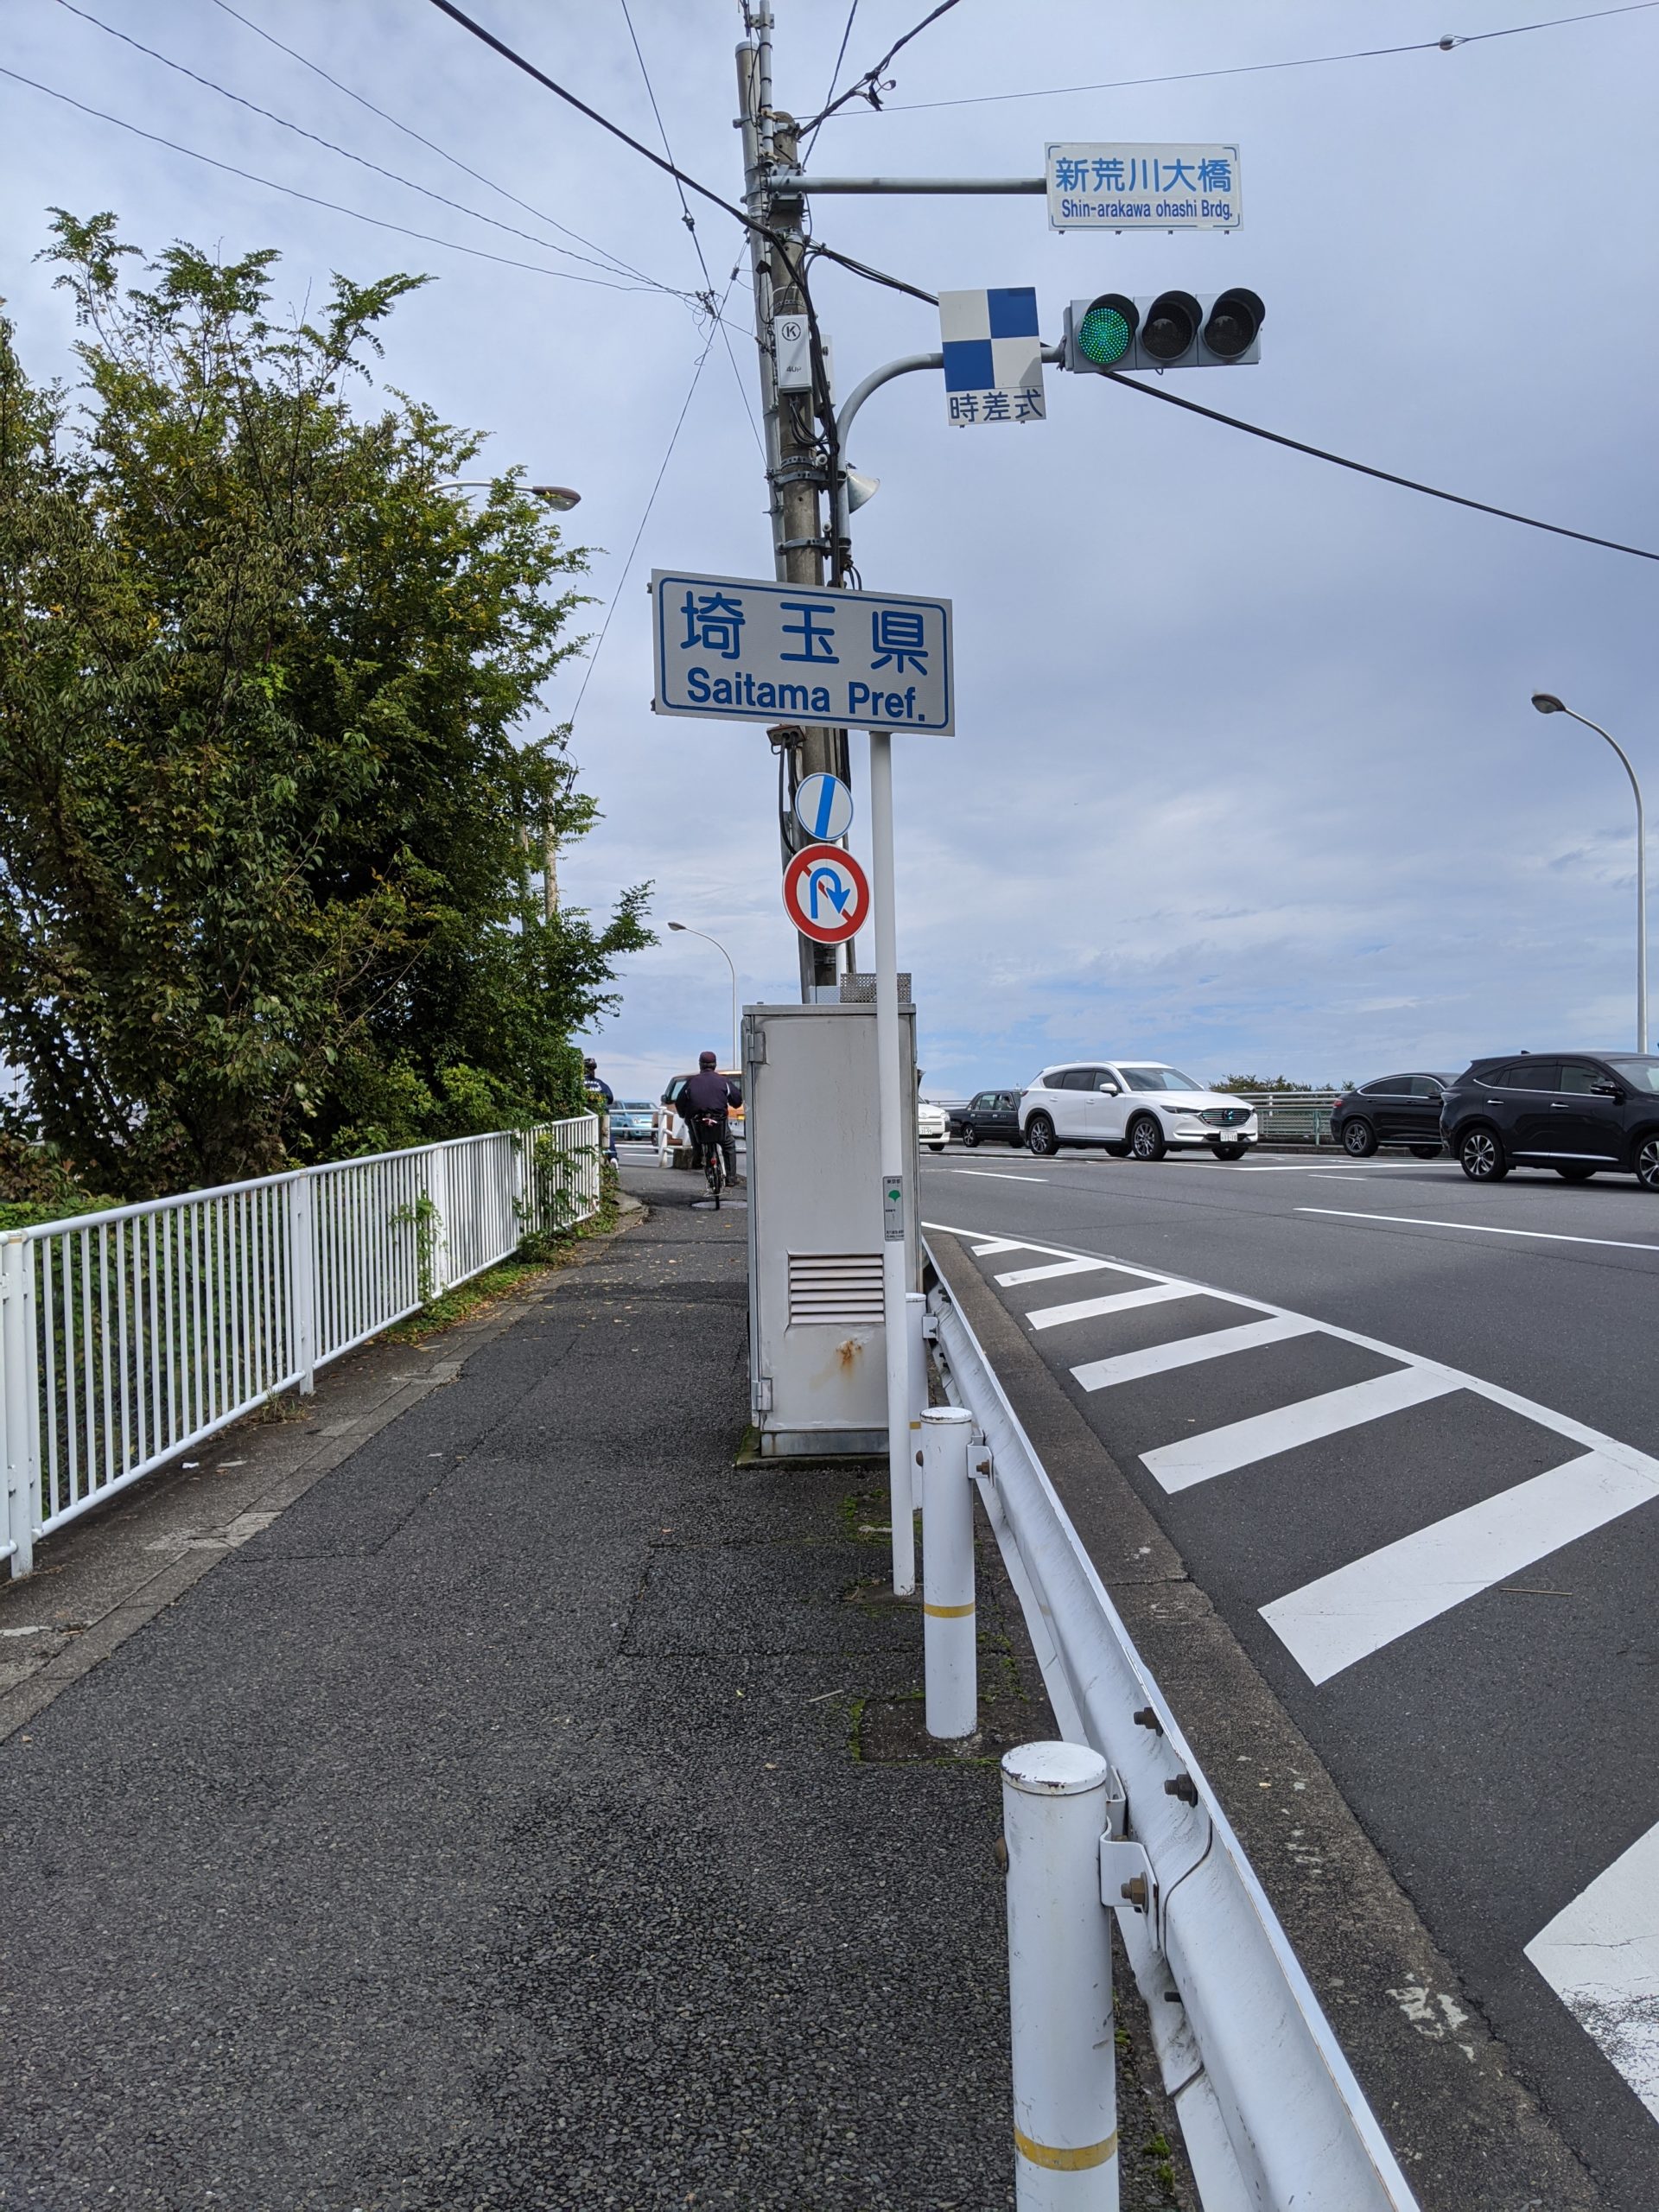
x=1399, y=1425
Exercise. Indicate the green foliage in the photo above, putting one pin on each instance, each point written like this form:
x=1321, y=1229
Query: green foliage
x=1278, y=1082
x=267, y=803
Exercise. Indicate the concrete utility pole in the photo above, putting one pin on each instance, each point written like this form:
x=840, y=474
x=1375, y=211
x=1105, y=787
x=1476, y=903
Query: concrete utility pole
x=795, y=471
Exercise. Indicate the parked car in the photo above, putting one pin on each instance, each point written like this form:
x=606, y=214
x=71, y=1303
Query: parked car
x=1137, y=1108
x=932, y=1125
x=632, y=1121
x=674, y=1148
x=1582, y=1114
x=1395, y=1109
x=990, y=1116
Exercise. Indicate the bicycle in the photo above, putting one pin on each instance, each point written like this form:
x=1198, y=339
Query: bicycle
x=709, y=1130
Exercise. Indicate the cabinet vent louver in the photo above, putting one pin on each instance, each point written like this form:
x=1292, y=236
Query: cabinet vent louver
x=841, y=1290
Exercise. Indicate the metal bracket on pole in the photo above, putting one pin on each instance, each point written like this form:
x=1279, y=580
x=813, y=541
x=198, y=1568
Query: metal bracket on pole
x=1127, y=1884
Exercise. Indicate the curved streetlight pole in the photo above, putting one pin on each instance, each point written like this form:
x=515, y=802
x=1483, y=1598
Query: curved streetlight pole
x=1548, y=703
x=736, y=1063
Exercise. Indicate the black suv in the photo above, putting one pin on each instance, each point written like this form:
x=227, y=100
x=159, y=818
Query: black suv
x=1582, y=1114
x=1395, y=1109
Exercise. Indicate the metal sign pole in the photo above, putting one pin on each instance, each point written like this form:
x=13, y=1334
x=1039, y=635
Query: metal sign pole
x=894, y=1179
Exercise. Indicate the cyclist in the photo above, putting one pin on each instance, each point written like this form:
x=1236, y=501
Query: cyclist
x=704, y=1105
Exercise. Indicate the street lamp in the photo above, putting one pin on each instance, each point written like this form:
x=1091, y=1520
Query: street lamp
x=559, y=496
x=726, y=958
x=1548, y=703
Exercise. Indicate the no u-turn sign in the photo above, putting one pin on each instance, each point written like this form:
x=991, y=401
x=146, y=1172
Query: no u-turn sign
x=826, y=894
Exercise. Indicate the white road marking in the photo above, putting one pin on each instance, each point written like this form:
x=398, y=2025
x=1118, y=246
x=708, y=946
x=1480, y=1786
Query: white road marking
x=1481, y=1229
x=1122, y=1301
x=1343, y=1617
x=1600, y=1956
x=999, y=1244
x=1048, y=1270
x=995, y=1175
x=1192, y=1459
x=1187, y=1351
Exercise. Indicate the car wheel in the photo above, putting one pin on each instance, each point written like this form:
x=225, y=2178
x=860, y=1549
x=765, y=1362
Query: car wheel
x=1575, y=1174
x=1040, y=1137
x=1647, y=1163
x=933, y=1146
x=1358, y=1140
x=1481, y=1157
x=1232, y=1151
x=1424, y=1152
x=969, y=1137
x=1146, y=1137
x=1118, y=1151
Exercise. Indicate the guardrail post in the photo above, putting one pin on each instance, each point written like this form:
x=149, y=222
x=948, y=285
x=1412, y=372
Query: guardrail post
x=916, y=1355
x=949, y=1634
x=1054, y=1813
x=19, y=1402
x=302, y=1280
x=437, y=1191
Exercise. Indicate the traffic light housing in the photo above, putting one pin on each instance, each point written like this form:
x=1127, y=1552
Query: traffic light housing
x=1168, y=330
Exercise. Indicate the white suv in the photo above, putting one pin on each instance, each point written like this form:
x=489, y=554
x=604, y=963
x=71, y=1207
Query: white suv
x=1136, y=1108
x=932, y=1127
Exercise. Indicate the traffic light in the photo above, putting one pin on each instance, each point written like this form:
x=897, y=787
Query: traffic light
x=1172, y=331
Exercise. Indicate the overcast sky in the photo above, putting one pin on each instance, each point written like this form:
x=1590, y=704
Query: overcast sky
x=1245, y=775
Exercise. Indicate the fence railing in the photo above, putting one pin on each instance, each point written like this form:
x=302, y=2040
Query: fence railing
x=1270, y=2113
x=128, y=1335
x=1293, y=1116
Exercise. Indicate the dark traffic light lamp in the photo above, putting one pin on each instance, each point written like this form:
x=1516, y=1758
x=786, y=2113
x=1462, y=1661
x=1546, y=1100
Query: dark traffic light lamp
x=1172, y=325
x=1233, y=323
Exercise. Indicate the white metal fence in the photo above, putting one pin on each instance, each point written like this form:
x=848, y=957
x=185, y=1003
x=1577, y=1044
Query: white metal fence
x=1293, y=1116
x=127, y=1336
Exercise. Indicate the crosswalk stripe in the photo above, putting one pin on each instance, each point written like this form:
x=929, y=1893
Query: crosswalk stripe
x=1600, y=1956
x=1187, y=1351
x=1049, y=1269
x=1199, y=1459
x=999, y=1244
x=1120, y=1301
x=1343, y=1617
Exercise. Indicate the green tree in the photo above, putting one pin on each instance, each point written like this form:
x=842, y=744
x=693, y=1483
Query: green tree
x=267, y=797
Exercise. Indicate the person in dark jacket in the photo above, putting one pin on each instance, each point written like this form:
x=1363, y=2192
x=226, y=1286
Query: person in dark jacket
x=600, y=1099
x=708, y=1092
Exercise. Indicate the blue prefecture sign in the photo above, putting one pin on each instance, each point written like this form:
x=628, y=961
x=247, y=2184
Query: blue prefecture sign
x=733, y=650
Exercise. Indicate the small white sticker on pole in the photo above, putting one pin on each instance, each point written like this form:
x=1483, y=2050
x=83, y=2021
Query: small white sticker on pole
x=893, y=1209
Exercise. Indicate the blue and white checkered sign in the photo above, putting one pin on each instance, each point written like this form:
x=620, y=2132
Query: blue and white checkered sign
x=993, y=356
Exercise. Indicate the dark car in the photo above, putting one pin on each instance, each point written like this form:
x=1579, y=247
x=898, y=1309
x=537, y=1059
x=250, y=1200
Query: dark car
x=989, y=1115
x=1583, y=1114
x=1395, y=1109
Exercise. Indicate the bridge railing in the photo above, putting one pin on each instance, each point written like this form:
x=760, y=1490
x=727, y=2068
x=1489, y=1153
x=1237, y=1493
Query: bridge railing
x=1293, y=1116
x=129, y=1335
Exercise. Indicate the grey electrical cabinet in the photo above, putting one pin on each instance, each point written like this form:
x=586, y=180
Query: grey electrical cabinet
x=817, y=1357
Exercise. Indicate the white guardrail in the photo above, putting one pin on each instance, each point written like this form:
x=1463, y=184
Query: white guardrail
x=128, y=1335
x=1272, y=2116
x=1293, y=1116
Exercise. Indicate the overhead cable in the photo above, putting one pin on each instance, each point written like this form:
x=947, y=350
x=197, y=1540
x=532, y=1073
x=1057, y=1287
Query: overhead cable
x=738, y=215
x=431, y=144
x=345, y=152
x=380, y=222
x=1383, y=475
x=869, y=86
x=1444, y=45
x=829, y=93
x=689, y=221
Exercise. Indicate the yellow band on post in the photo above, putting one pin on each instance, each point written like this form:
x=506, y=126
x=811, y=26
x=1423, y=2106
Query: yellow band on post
x=1066, y=2162
x=947, y=1612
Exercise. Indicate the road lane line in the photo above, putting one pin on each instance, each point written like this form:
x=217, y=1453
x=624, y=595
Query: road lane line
x=1187, y=1351
x=1346, y=1616
x=1192, y=1459
x=995, y=1175
x=1000, y=1244
x=1122, y=1301
x=1480, y=1229
x=1048, y=1270
x=1600, y=1956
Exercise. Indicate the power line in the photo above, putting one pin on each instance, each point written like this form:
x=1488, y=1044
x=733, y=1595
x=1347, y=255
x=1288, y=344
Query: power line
x=689, y=221
x=869, y=85
x=345, y=152
x=431, y=144
x=846, y=34
x=380, y=222
x=616, y=596
x=1383, y=475
x=738, y=215
x=1255, y=69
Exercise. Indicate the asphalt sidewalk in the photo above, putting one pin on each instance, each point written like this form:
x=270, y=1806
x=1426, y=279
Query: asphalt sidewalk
x=531, y=1812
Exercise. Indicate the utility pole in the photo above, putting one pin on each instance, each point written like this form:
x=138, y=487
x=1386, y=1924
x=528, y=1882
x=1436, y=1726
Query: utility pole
x=795, y=467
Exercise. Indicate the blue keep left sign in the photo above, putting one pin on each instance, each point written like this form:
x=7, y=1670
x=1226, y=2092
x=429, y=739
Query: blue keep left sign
x=823, y=807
